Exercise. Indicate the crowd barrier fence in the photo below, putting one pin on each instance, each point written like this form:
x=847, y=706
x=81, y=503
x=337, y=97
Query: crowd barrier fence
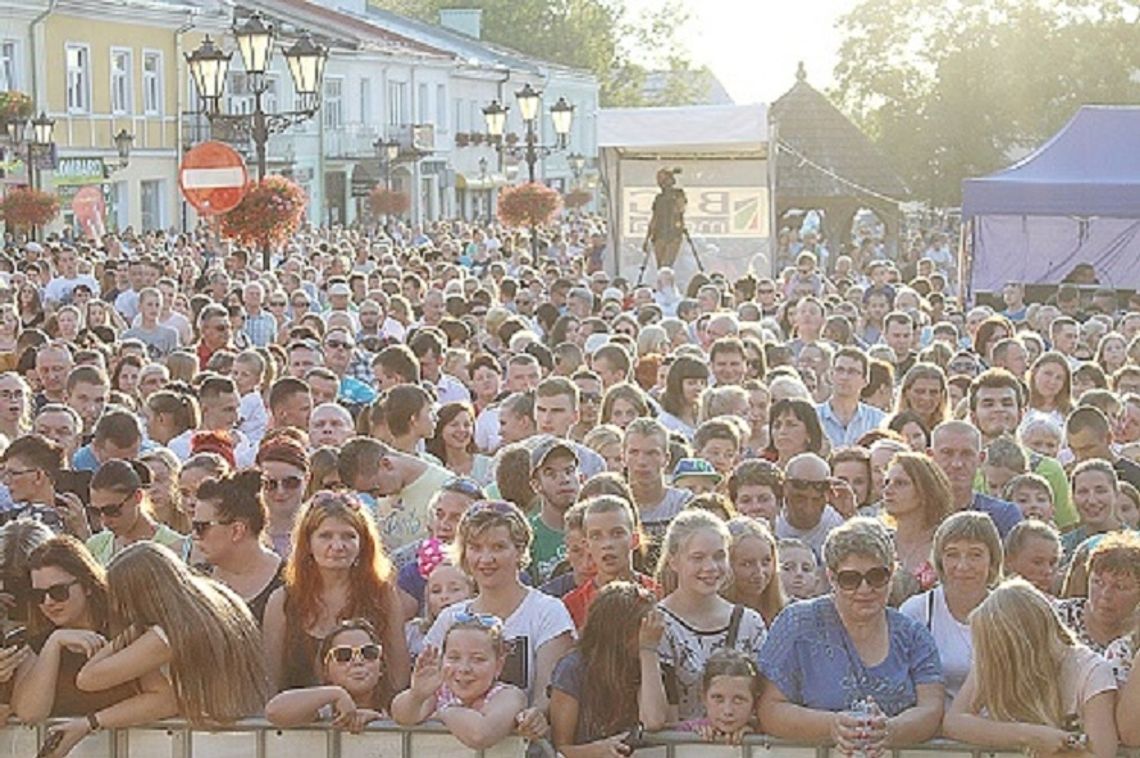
x=255, y=738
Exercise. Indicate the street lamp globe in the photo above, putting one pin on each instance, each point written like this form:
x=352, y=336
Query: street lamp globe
x=577, y=162
x=123, y=142
x=208, y=66
x=42, y=129
x=255, y=41
x=496, y=116
x=529, y=99
x=307, y=66
x=393, y=150
x=562, y=114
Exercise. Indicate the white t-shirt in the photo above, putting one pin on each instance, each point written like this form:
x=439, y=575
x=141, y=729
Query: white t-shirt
x=1084, y=674
x=59, y=289
x=487, y=435
x=538, y=619
x=254, y=417
x=950, y=635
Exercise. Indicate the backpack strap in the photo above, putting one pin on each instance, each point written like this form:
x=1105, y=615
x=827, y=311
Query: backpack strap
x=930, y=611
x=734, y=626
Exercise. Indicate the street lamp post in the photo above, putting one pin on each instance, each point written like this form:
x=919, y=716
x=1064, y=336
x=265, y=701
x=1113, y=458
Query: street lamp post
x=577, y=163
x=255, y=41
x=529, y=101
x=388, y=151
x=42, y=129
x=123, y=142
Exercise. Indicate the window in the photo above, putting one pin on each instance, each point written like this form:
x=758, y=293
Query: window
x=121, y=84
x=366, y=102
x=422, y=109
x=333, y=106
x=441, y=107
x=151, y=204
x=152, y=83
x=460, y=112
x=9, y=65
x=397, y=103
x=78, y=78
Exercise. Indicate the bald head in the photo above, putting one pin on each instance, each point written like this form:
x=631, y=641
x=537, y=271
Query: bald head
x=808, y=466
x=957, y=433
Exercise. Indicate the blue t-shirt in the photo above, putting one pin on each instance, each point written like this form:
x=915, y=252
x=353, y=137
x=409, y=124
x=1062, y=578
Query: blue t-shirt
x=1005, y=514
x=809, y=656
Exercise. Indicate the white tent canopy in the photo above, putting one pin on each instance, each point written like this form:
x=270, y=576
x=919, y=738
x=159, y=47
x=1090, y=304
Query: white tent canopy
x=722, y=153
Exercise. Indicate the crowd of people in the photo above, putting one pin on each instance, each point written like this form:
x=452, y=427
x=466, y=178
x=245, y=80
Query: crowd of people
x=442, y=475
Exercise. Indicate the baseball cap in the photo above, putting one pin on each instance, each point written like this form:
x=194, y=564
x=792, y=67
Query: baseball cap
x=695, y=467
x=612, y=293
x=547, y=447
x=340, y=288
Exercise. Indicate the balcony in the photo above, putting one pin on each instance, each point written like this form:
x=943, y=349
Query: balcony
x=350, y=141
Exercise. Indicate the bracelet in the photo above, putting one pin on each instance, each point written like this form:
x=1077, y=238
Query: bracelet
x=93, y=722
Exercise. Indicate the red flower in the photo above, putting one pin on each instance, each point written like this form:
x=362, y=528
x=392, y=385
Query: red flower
x=530, y=204
x=24, y=208
x=386, y=202
x=269, y=213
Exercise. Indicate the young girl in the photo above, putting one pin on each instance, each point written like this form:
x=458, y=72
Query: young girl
x=693, y=569
x=446, y=584
x=1031, y=685
x=731, y=688
x=461, y=688
x=611, y=681
x=352, y=693
x=754, y=560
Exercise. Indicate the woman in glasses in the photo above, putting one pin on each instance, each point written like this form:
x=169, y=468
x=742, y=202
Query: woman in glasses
x=917, y=497
x=285, y=476
x=844, y=667
x=119, y=500
x=337, y=570
x=352, y=693
x=453, y=443
x=70, y=621
x=229, y=522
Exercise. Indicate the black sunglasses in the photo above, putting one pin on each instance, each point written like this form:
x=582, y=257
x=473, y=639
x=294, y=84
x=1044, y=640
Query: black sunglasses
x=850, y=579
x=112, y=511
x=199, y=528
x=809, y=484
x=287, y=483
x=593, y=398
x=338, y=345
x=57, y=592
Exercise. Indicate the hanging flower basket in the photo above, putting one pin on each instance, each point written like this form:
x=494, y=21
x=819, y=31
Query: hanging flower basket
x=15, y=106
x=477, y=138
x=25, y=208
x=269, y=213
x=386, y=202
x=462, y=139
x=575, y=199
x=530, y=204
x=512, y=138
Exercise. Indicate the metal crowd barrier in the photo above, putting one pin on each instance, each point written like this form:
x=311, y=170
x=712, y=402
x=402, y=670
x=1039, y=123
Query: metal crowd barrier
x=255, y=738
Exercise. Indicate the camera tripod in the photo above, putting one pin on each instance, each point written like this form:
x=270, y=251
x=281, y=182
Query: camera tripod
x=649, y=251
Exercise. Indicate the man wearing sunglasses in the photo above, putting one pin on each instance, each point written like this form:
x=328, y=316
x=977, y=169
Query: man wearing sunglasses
x=808, y=488
x=349, y=365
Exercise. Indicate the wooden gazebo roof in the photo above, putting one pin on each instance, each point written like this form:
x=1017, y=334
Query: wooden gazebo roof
x=824, y=155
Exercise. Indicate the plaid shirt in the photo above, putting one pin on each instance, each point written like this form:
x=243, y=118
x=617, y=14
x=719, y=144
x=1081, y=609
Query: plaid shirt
x=261, y=329
x=360, y=367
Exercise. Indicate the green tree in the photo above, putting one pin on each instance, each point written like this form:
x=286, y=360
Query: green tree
x=954, y=90
x=600, y=36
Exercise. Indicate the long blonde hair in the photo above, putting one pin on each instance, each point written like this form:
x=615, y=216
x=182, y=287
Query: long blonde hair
x=217, y=666
x=1018, y=644
x=681, y=529
x=772, y=599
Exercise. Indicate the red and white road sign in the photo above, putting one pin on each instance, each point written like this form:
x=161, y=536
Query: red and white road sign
x=213, y=178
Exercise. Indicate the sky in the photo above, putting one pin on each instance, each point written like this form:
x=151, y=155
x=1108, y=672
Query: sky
x=753, y=45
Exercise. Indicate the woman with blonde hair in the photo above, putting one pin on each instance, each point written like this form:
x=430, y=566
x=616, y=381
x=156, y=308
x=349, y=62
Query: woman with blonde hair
x=337, y=570
x=924, y=391
x=754, y=560
x=606, y=440
x=622, y=403
x=9, y=331
x=165, y=496
x=1031, y=685
x=917, y=498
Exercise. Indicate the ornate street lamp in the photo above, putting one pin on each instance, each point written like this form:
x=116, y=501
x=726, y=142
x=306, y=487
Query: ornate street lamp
x=123, y=142
x=306, y=61
x=529, y=99
x=42, y=129
x=255, y=43
x=208, y=67
x=562, y=114
x=496, y=117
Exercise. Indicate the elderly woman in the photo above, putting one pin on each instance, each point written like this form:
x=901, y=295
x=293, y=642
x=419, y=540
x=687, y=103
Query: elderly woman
x=826, y=656
x=968, y=560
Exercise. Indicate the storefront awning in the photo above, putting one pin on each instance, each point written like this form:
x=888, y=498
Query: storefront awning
x=485, y=182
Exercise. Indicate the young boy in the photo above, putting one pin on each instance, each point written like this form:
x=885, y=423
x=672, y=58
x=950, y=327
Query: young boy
x=1004, y=460
x=577, y=568
x=799, y=570
x=556, y=479
x=611, y=538
x=248, y=373
x=718, y=442
x=1033, y=495
x=696, y=475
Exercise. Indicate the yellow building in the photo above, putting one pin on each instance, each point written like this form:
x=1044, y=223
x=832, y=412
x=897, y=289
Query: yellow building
x=102, y=67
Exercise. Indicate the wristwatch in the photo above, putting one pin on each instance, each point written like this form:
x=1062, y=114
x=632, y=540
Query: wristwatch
x=93, y=722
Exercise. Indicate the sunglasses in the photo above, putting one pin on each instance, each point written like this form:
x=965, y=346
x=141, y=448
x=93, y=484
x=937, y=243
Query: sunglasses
x=809, y=484
x=338, y=345
x=463, y=486
x=278, y=304
x=346, y=653
x=111, y=511
x=285, y=483
x=57, y=592
x=593, y=398
x=201, y=527
x=876, y=578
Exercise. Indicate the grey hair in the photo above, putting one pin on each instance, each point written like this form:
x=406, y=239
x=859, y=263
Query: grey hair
x=859, y=536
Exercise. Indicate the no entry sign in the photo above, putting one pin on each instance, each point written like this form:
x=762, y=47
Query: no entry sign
x=213, y=178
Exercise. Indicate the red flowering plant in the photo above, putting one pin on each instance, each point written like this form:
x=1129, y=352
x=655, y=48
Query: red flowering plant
x=269, y=213
x=529, y=204
x=15, y=106
x=386, y=202
x=24, y=208
x=576, y=198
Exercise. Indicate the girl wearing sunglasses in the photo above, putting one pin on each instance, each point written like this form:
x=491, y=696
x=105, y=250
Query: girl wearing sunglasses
x=844, y=667
x=119, y=500
x=285, y=477
x=352, y=693
x=70, y=621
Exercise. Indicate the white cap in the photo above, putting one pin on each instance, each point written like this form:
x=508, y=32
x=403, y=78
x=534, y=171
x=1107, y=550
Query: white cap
x=612, y=293
x=340, y=288
x=595, y=341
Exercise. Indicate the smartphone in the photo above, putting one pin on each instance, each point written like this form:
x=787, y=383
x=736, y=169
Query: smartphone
x=54, y=737
x=15, y=637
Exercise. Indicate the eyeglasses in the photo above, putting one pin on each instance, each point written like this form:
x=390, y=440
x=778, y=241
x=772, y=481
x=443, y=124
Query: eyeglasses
x=485, y=620
x=346, y=653
x=300, y=303
x=809, y=484
x=11, y=394
x=278, y=304
x=285, y=483
x=338, y=345
x=850, y=579
x=8, y=473
x=201, y=527
x=593, y=398
x=57, y=592
x=112, y=511
x=464, y=486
